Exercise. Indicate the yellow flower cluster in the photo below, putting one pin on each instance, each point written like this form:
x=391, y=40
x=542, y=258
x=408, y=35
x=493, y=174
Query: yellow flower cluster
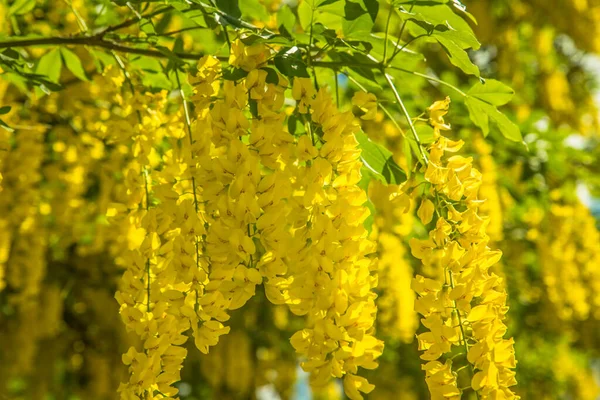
x=21, y=231
x=465, y=306
x=489, y=190
x=392, y=226
x=150, y=295
x=574, y=372
x=367, y=103
x=331, y=279
x=230, y=365
x=569, y=257
x=235, y=202
x=55, y=179
x=32, y=305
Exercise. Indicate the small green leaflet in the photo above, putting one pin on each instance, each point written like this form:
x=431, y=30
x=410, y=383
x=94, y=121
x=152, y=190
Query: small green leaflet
x=289, y=62
x=379, y=161
x=482, y=101
x=5, y=110
x=458, y=57
x=73, y=63
x=440, y=14
x=229, y=7
x=353, y=17
x=253, y=10
x=286, y=19
x=359, y=17
x=492, y=91
x=449, y=29
x=49, y=66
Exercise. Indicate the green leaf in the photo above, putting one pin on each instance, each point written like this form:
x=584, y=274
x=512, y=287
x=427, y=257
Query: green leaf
x=372, y=7
x=286, y=19
x=329, y=13
x=234, y=74
x=230, y=7
x=320, y=3
x=270, y=38
x=481, y=113
x=357, y=27
x=458, y=56
x=102, y=59
x=253, y=10
x=359, y=17
x=289, y=62
x=425, y=133
x=50, y=65
x=379, y=161
x=5, y=110
x=195, y=17
x=463, y=39
x=508, y=129
x=440, y=14
x=10, y=53
x=73, y=63
x=482, y=101
x=147, y=26
x=295, y=126
x=441, y=23
x=354, y=17
x=304, y=14
x=398, y=3
x=47, y=73
x=20, y=7
x=492, y=91
x=427, y=26
x=478, y=115
x=272, y=76
x=461, y=8
x=163, y=22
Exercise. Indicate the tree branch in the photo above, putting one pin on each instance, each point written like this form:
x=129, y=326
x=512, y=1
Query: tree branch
x=97, y=41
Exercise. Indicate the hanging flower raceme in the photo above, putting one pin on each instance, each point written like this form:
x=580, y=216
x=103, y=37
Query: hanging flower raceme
x=23, y=245
x=569, y=254
x=237, y=202
x=333, y=277
x=148, y=296
x=464, y=305
x=396, y=317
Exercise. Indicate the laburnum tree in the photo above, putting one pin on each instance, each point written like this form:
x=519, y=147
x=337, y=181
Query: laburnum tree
x=328, y=199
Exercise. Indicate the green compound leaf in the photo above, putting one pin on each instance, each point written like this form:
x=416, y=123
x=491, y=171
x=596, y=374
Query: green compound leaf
x=379, y=161
x=458, y=57
x=492, y=91
x=482, y=109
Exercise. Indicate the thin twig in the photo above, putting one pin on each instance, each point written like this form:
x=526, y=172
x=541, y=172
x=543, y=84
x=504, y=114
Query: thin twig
x=404, y=111
x=133, y=21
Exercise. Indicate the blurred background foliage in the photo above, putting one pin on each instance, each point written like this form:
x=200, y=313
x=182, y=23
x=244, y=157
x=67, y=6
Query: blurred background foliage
x=60, y=332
